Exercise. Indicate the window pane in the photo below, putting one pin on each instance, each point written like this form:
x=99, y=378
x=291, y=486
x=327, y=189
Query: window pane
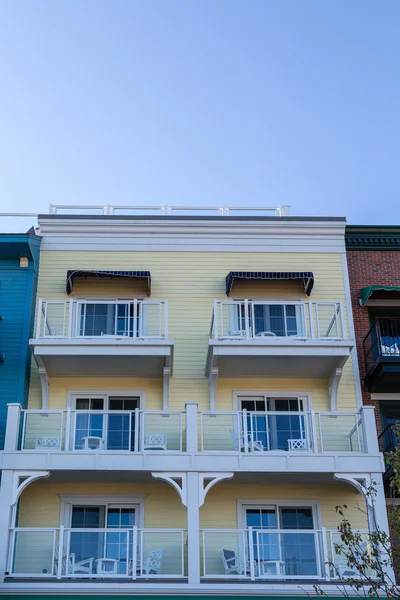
x=297, y=518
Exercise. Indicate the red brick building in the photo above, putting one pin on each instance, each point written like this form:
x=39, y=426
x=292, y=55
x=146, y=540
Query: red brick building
x=373, y=256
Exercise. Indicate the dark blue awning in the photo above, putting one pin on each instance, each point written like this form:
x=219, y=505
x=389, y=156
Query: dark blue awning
x=306, y=277
x=71, y=275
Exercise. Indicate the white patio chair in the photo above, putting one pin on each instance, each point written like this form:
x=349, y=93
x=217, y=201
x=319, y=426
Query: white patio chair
x=69, y=564
x=153, y=563
x=232, y=564
x=297, y=444
x=238, y=442
x=341, y=567
x=47, y=442
x=155, y=441
x=92, y=442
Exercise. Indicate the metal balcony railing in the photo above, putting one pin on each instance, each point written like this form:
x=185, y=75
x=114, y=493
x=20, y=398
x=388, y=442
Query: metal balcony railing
x=274, y=321
x=130, y=319
x=382, y=340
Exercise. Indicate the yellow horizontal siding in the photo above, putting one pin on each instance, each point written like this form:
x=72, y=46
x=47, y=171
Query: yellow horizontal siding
x=191, y=281
x=59, y=387
x=40, y=502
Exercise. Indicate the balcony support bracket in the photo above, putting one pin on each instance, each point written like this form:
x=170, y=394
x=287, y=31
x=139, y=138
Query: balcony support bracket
x=212, y=479
x=334, y=388
x=213, y=378
x=166, y=378
x=21, y=480
x=174, y=479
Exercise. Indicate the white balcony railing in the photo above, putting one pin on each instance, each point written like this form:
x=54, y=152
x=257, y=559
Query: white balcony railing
x=274, y=321
x=132, y=553
x=308, y=431
x=138, y=553
x=131, y=319
x=86, y=430
x=339, y=568
x=256, y=554
x=202, y=211
x=168, y=431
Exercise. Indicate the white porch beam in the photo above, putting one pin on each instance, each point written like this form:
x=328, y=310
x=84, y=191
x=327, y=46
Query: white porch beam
x=166, y=378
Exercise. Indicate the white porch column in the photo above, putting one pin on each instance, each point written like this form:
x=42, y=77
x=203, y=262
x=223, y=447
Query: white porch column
x=6, y=512
x=193, y=525
x=12, y=427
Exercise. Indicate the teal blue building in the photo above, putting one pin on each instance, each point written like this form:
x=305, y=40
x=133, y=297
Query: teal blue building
x=19, y=266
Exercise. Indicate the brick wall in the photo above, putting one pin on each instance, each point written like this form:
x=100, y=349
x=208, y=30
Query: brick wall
x=369, y=268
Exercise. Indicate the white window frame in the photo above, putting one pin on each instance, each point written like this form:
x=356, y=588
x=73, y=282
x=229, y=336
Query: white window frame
x=301, y=321
x=238, y=395
x=67, y=501
x=73, y=395
x=257, y=503
x=80, y=301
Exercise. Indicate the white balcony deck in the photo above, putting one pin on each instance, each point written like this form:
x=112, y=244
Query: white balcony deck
x=79, y=338
x=277, y=339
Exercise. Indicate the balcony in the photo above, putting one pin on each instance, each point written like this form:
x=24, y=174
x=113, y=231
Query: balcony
x=239, y=441
x=121, y=338
x=276, y=554
x=100, y=553
x=138, y=554
x=382, y=356
x=276, y=339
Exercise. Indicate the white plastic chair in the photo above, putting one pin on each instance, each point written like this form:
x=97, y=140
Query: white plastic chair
x=153, y=563
x=69, y=564
x=232, y=564
x=297, y=444
x=155, y=441
x=47, y=442
x=239, y=445
x=92, y=442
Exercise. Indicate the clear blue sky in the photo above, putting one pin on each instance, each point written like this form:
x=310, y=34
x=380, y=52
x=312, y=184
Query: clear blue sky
x=251, y=102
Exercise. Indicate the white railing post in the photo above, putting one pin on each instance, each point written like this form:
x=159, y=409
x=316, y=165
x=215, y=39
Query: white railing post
x=246, y=318
x=165, y=319
x=71, y=318
x=136, y=432
x=311, y=318
x=67, y=429
x=39, y=318
x=60, y=552
x=191, y=427
x=134, y=551
x=137, y=326
x=371, y=445
x=12, y=428
x=324, y=549
x=215, y=316
x=314, y=431
x=342, y=326
x=245, y=431
x=251, y=554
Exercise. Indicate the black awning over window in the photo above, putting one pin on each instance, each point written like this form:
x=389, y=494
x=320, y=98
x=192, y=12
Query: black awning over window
x=305, y=276
x=71, y=275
